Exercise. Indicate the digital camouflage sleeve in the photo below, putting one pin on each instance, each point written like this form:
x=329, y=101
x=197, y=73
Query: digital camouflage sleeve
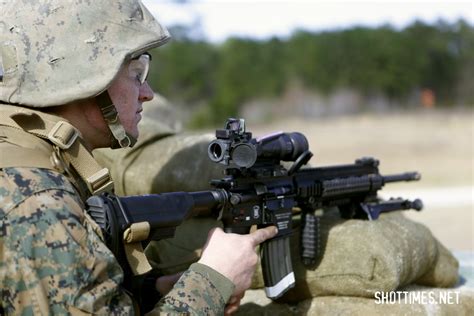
x=52, y=260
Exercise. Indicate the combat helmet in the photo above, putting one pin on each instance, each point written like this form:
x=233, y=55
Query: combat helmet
x=54, y=52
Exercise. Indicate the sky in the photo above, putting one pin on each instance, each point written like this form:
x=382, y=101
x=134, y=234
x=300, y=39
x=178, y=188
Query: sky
x=220, y=19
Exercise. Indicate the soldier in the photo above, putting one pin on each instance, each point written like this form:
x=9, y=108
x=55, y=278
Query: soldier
x=72, y=79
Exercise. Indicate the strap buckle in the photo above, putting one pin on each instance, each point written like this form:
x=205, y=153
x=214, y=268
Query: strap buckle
x=100, y=182
x=63, y=134
x=110, y=113
x=132, y=238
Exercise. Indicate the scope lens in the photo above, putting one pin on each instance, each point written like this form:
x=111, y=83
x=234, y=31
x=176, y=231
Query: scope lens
x=215, y=151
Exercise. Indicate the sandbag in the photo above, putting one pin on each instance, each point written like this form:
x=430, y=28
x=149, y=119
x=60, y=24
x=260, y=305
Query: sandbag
x=174, y=255
x=255, y=303
x=172, y=163
x=444, y=273
x=361, y=257
x=164, y=160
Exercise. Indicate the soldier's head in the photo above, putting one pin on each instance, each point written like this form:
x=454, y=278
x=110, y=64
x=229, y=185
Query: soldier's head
x=85, y=60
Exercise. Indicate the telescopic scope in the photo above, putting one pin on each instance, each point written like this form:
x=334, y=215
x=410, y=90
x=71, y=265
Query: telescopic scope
x=234, y=145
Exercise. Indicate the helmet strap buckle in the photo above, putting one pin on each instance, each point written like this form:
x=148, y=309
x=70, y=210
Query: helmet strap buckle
x=111, y=117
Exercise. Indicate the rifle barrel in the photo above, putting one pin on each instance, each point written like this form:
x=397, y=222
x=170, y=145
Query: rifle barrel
x=407, y=176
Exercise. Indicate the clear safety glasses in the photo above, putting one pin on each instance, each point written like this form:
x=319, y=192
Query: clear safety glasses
x=139, y=67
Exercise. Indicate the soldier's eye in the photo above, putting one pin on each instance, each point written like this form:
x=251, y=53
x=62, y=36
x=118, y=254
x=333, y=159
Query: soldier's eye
x=139, y=67
x=139, y=78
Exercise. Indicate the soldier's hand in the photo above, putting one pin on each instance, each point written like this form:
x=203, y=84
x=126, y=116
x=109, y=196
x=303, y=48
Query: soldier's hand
x=234, y=255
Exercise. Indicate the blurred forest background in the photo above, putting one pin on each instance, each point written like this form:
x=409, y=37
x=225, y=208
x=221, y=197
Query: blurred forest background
x=316, y=74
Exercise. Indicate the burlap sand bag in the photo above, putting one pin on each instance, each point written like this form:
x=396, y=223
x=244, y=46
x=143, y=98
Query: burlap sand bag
x=461, y=302
x=443, y=273
x=361, y=257
x=172, y=163
x=165, y=160
x=461, y=305
x=176, y=254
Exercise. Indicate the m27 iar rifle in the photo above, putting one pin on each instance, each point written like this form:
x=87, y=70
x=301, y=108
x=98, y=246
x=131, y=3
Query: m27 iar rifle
x=258, y=190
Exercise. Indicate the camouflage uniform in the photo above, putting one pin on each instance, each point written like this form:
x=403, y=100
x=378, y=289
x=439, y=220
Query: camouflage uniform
x=53, y=260
x=52, y=256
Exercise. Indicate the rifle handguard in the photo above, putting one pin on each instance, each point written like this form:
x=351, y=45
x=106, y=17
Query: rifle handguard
x=310, y=243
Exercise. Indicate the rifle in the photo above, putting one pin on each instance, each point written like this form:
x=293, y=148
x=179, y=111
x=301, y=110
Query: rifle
x=258, y=190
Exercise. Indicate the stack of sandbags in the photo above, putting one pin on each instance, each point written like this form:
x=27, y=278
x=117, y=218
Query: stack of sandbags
x=360, y=258
x=416, y=300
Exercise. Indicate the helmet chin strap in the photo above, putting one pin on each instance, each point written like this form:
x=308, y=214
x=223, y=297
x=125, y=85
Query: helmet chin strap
x=119, y=138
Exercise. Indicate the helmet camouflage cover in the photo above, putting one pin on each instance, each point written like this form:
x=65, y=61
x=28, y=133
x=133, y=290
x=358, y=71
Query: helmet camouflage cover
x=53, y=52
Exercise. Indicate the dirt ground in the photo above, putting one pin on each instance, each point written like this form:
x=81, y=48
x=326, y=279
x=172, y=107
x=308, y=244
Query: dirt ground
x=438, y=144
